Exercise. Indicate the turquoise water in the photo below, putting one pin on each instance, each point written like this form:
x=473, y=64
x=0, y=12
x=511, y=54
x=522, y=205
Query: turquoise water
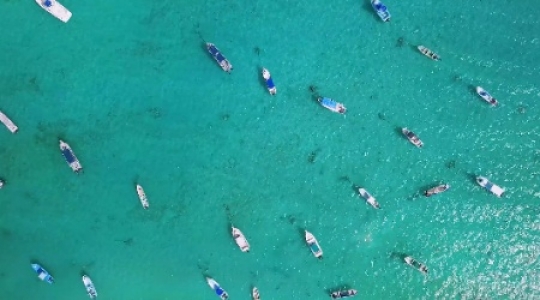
x=130, y=87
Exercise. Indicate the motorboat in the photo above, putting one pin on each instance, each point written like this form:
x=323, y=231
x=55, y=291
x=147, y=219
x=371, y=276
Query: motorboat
x=220, y=59
x=90, y=288
x=436, y=190
x=313, y=245
x=342, y=294
x=381, y=10
x=220, y=292
x=70, y=157
x=427, y=52
x=412, y=137
x=56, y=9
x=269, y=82
x=332, y=105
x=369, y=199
x=42, y=273
x=255, y=294
x=9, y=124
x=2, y=182
x=490, y=186
x=486, y=96
x=240, y=239
x=142, y=197
x=415, y=264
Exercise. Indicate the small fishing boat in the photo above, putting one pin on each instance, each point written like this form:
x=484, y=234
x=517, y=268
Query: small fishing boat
x=9, y=124
x=2, y=182
x=490, y=186
x=369, y=199
x=220, y=59
x=255, y=294
x=436, y=190
x=217, y=289
x=381, y=10
x=412, y=137
x=428, y=53
x=240, y=239
x=486, y=96
x=56, y=9
x=142, y=197
x=269, y=82
x=70, y=157
x=42, y=273
x=90, y=288
x=342, y=294
x=332, y=105
x=419, y=266
x=313, y=245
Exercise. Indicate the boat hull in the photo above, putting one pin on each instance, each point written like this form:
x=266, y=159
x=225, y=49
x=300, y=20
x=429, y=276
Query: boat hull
x=313, y=244
x=427, y=52
x=490, y=186
x=437, y=190
x=90, y=288
x=69, y=156
x=214, y=285
x=56, y=9
x=142, y=197
x=381, y=10
x=219, y=58
x=269, y=82
x=9, y=124
x=240, y=240
x=412, y=137
x=332, y=105
x=369, y=198
x=43, y=274
x=486, y=96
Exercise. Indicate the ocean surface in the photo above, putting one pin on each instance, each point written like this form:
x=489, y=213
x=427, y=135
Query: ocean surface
x=130, y=86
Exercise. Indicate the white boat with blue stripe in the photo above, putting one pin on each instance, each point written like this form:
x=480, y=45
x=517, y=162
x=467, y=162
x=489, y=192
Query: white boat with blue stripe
x=269, y=82
x=219, y=58
x=70, y=157
x=220, y=292
x=313, y=245
x=42, y=273
x=90, y=288
x=56, y=9
x=381, y=10
x=486, y=96
x=490, y=186
x=332, y=105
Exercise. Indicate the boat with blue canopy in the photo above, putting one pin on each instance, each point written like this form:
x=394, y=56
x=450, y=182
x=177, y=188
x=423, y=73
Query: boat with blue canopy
x=219, y=58
x=220, y=292
x=70, y=157
x=332, y=105
x=42, y=273
x=381, y=10
x=269, y=82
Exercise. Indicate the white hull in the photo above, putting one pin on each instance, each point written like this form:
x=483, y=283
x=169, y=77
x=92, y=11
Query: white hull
x=74, y=165
x=89, y=285
x=486, y=96
x=9, y=124
x=428, y=53
x=255, y=294
x=490, y=186
x=142, y=197
x=313, y=245
x=415, y=264
x=267, y=76
x=412, y=137
x=56, y=9
x=240, y=239
x=369, y=199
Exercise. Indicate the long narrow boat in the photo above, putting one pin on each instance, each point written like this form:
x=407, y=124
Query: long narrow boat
x=240, y=239
x=70, y=157
x=412, y=137
x=332, y=105
x=436, y=190
x=369, y=198
x=427, y=52
x=313, y=245
x=342, y=294
x=142, y=197
x=90, y=288
x=9, y=124
x=486, y=96
x=220, y=292
x=417, y=265
x=219, y=58
x=42, y=273
x=56, y=9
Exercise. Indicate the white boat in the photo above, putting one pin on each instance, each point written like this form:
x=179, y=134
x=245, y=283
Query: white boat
x=419, y=266
x=70, y=157
x=56, y=9
x=240, y=239
x=381, y=10
x=89, y=285
x=332, y=105
x=9, y=124
x=428, y=53
x=219, y=58
x=269, y=82
x=220, y=292
x=255, y=294
x=437, y=190
x=42, y=273
x=490, y=186
x=142, y=197
x=486, y=96
x=343, y=294
x=313, y=245
x=369, y=199
x=1, y=183
x=412, y=137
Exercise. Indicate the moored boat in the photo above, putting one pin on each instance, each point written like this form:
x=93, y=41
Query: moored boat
x=2, y=182
x=240, y=239
x=142, y=197
x=417, y=265
x=56, y=9
x=436, y=190
x=369, y=199
x=220, y=292
x=255, y=294
x=486, y=96
x=9, y=124
x=90, y=288
x=70, y=157
x=269, y=82
x=332, y=105
x=342, y=294
x=427, y=52
x=42, y=273
x=219, y=58
x=381, y=10
x=412, y=137
x=313, y=245
x=490, y=186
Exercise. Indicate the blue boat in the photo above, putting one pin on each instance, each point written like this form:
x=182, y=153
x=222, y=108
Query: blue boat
x=220, y=59
x=42, y=273
x=221, y=293
x=269, y=82
x=381, y=10
x=70, y=157
x=332, y=105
